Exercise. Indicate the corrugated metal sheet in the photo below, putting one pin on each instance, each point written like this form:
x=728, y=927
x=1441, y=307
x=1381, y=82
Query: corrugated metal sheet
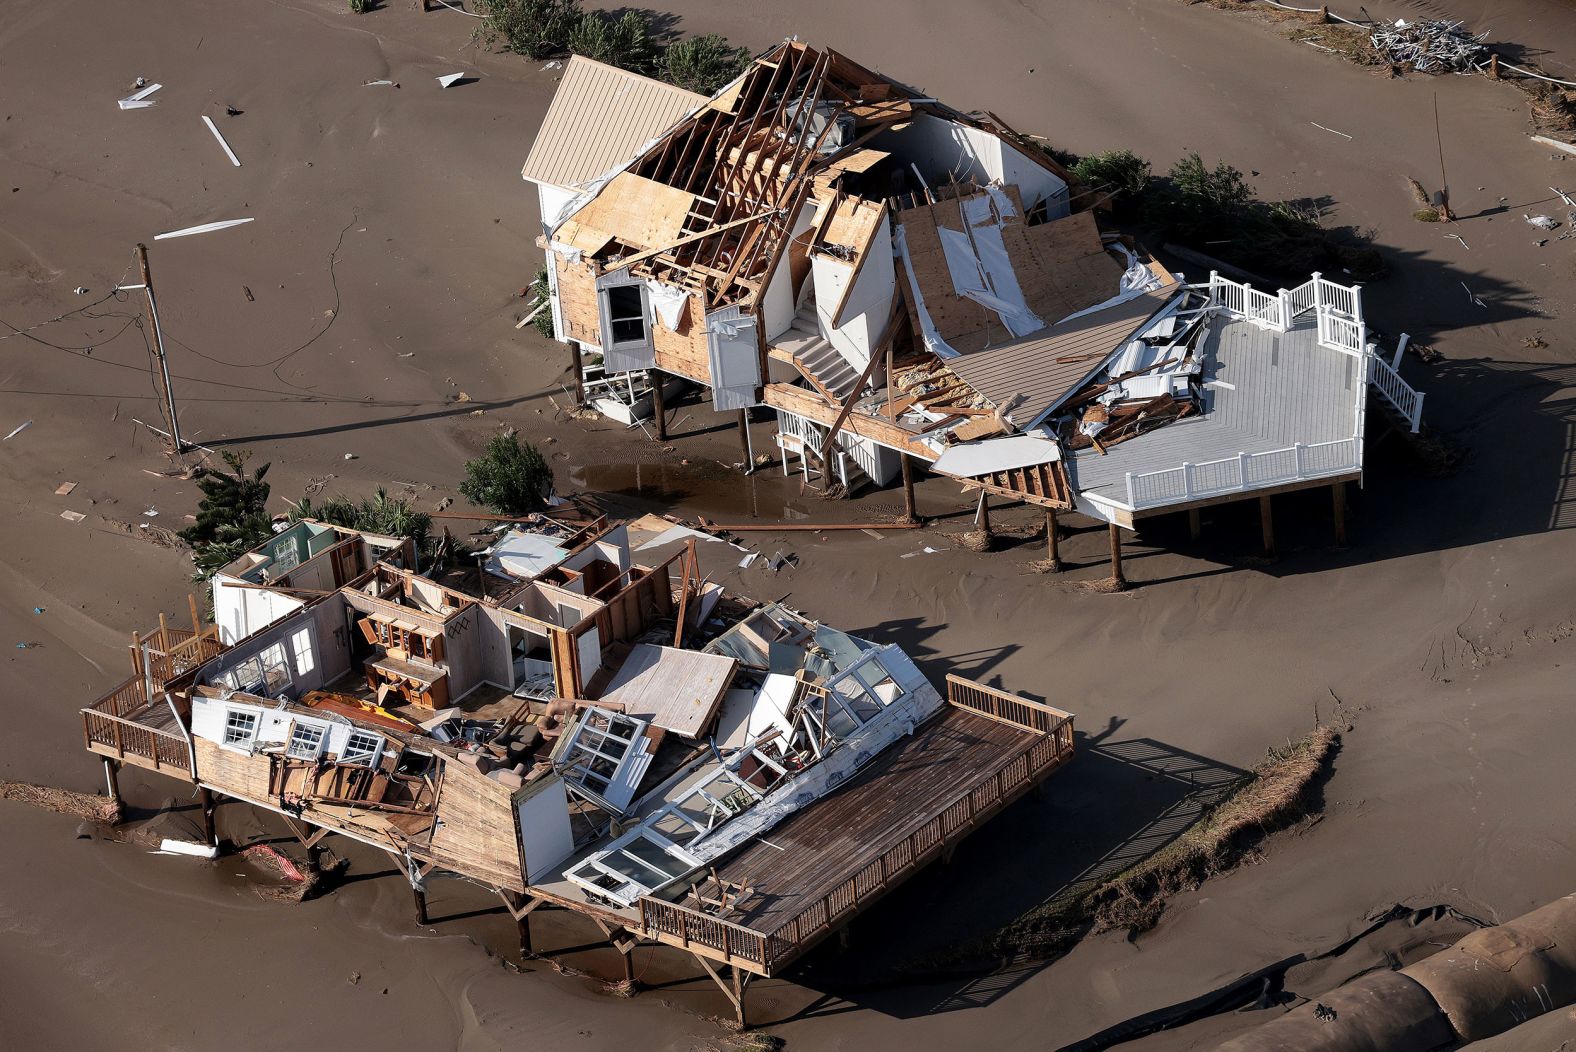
x=599, y=118
x=1027, y=375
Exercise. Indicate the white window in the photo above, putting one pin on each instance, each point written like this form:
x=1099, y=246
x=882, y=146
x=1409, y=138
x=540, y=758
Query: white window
x=301, y=645
x=265, y=673
x=362, y=747
x=637, y=863
x=626, y=314
x=306, y=741
x=605, y=752
x=240, y=728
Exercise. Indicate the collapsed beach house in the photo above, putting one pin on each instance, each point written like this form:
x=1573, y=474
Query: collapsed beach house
x=590, y=726
x=899, y=282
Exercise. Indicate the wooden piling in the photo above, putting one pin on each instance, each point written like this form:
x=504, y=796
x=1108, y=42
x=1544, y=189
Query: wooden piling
x=1195, y=524
x=191, y=602
x=1117, y=579
x=744, y=440
x=112, y=782
x=982, y=516
x=910, y=509
x=421, y=904
x=659, y=411
x=1267, y=523
x=209, y=827
x=578, y=360
x=1053, y=541
x=1338, y=498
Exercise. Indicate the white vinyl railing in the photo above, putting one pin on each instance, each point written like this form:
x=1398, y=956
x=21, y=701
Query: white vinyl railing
x=796, y=433
x=1295, y=463
x=1339, y=309
x=1402, y=396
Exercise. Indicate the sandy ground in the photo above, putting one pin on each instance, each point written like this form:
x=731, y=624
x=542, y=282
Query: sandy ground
x=391, y=238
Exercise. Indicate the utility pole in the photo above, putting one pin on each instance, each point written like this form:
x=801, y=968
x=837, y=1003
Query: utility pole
x=177, y=444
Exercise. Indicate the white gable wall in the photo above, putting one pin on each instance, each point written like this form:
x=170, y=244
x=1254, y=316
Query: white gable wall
x=942, y=148
x=869, y=304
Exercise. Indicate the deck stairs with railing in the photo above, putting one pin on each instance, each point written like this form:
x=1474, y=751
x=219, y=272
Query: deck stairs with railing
x=135, y=723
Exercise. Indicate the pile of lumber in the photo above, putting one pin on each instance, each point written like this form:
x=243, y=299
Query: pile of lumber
x=1124, y=420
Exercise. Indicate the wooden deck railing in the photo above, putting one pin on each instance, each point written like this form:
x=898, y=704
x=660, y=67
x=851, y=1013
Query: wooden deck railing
x=173, y=651
x=105, y=725
x=922, y=845
x=1008, y=708
x=764, y=952
x=738, y=944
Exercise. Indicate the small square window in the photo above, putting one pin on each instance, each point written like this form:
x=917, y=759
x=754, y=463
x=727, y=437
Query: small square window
x=361, y=748
x=240, y=728
x=626, y=314
x=306, y=741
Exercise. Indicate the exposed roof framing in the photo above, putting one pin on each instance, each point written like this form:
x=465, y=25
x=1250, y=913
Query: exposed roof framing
x=750, y=158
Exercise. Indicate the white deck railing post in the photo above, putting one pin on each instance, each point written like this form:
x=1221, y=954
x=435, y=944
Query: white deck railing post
x=1242, y=469
x=1417, y=413
x=1318, y=293
x=1187, y=479
x=1131, y=503
x=1296, y=456
x=1400, y=349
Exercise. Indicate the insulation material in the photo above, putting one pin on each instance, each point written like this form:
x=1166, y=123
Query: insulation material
x=927, y=329
x=667, y=302
x=734, y=359
x=1136, y=280
x=997, y=454
x=980, y=267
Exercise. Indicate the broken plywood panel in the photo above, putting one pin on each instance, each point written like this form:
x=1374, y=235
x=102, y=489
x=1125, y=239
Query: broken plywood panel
x=636, y=211
x=677, y=690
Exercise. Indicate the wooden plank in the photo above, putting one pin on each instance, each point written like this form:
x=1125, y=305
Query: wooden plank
x=677, y=690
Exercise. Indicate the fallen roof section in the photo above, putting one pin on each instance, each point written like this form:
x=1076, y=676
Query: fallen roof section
x=677, y=690
x=1027, y=378
x=601, y=116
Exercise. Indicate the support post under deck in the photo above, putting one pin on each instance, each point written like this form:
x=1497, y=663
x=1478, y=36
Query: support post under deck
x=982, y=515
x=1195, y=524
x=578, y=360
x=210, y=833
x=421, y=904
x=1117, y=580
x=1338, y=496
x=744, y=441
x=1267, y=523
x=659, y=409
x=112, y=782
x=910, y=511
x=1053, y=541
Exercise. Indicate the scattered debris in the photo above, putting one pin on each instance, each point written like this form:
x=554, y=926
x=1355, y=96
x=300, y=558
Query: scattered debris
x=226, y=146
x=72, y=516
x=23, y=426
x=376, y=83
x=1541, y=222
x=1332, y=131
x=1430, y=45
x=203, y=229
x=184, y=847
x=1471, y=297
x=748, y=559
x=65, y=488
x=139, y=100
x=1534, y=343
x=248, y=292
x=1461, y=239
x=28, y=646
x=81, y=290
x=231, y=111
x=450, y=78
x=62, y=801
x=350, y=456
x=1324, y=1013
x=151, y=513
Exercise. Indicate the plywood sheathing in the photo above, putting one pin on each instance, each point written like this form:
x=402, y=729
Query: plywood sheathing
x=633, y=210
x=677, y=690
x=577, y=299
x=1061, y=268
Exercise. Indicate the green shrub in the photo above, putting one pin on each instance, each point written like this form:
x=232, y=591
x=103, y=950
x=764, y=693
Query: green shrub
x=379, y=513
x=703, y=64
x=541, y=291
x=533, y=28
x=511, y=478
x=624, y=42
x=232, y=516
x=361, y=7
x=1119, y=171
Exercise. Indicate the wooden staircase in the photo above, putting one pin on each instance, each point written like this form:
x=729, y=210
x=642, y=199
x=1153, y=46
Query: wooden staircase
x=816, y=359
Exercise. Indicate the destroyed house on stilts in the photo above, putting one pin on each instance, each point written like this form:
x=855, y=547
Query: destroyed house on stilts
x=592, y=726
x=900, y=283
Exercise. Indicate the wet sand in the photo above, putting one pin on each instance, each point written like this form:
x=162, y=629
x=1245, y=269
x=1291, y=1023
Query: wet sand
x=383, y=287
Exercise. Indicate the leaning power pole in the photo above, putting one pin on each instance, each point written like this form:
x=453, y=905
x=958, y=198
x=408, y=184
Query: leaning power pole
x=177, y=444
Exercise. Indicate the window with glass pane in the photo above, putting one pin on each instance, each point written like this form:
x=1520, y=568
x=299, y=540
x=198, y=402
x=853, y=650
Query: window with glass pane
x=240, y=727
x=362, y=748
x=306, y=741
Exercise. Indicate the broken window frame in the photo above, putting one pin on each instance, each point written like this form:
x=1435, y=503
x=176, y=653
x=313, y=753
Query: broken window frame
x=307, y=740
x=366, y=756
x=599, y=878
x=617, y=314
x=586, y=743
x=264, y=673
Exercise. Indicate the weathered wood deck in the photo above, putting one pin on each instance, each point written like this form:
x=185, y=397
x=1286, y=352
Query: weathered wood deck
x=810, y=875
